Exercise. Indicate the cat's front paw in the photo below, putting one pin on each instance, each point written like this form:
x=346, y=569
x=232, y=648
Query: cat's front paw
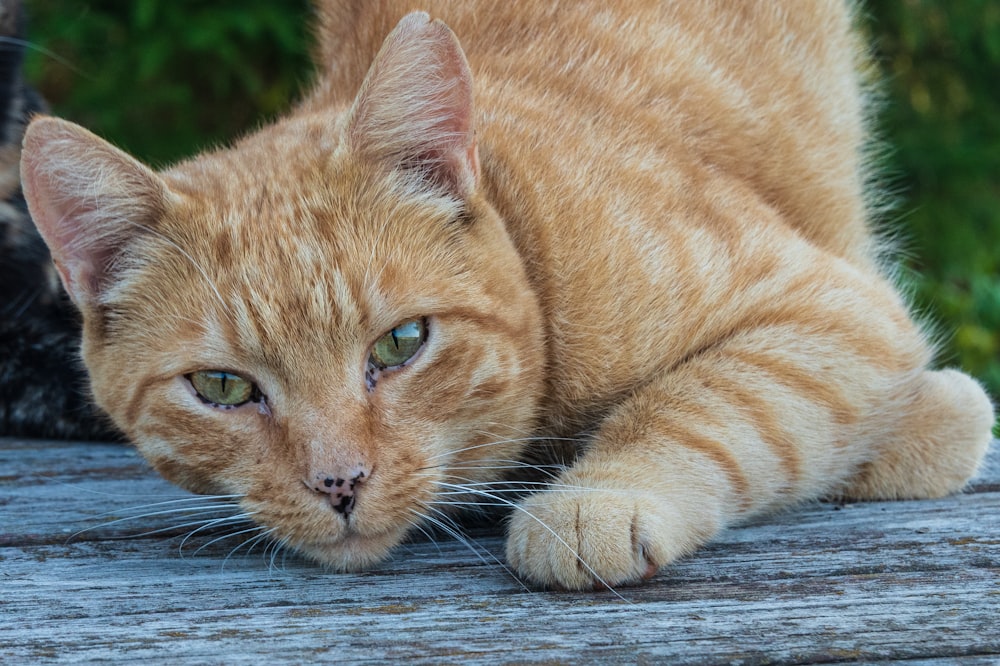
x=590, y=538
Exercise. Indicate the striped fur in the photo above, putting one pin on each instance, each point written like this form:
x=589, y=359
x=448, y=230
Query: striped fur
x=639, y=236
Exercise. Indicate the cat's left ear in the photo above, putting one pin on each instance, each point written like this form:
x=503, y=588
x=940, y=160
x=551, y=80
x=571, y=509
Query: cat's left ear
x=414, y=111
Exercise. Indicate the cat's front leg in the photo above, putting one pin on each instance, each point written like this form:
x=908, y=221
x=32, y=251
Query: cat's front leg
x=689, y=452
x=713, y=440
x=639, y=499
x=597, y=527
x=764, y=419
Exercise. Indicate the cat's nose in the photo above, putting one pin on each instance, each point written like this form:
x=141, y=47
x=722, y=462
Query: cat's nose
x=340, y=485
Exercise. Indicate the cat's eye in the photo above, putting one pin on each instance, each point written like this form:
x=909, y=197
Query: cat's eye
x=224, y=389
x=399, y=345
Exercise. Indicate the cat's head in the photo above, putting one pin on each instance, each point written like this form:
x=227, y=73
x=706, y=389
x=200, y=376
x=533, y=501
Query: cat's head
x=327, y=320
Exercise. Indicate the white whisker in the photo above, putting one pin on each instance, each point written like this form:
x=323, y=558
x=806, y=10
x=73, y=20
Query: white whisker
x=419, y=527
x=249, y=544
x=173, y=502
x=276, y=546
x=255, y=528
x=46, y=52
x=508, y=464
x=466, y=504
x=227, y=520
x=520, y=487
x=516, y=440
x=448, y=526
x=517, y=507
x=185, y=511
x=197, y=266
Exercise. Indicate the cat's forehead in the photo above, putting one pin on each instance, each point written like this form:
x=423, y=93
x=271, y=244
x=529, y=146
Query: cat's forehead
x=293, y=191
x=318, y=249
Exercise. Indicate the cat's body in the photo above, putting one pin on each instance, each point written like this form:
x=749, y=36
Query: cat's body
x=42, y=383
x=641, y=228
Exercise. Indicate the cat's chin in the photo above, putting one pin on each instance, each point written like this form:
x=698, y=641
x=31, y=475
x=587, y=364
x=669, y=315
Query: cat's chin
x=351, y=552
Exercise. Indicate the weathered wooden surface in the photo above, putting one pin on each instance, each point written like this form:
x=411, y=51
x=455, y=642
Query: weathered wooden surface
x=916, y=581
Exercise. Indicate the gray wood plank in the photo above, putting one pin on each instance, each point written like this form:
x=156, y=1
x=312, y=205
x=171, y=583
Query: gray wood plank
x=822, y=583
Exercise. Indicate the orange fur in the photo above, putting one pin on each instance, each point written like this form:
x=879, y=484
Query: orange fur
x=641, y=226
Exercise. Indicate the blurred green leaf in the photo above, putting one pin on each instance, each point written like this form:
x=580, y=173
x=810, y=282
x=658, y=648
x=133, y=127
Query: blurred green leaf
x=942, y=121
x=165, y=78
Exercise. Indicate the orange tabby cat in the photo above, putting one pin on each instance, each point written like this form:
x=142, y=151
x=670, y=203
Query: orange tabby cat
x=635, y=229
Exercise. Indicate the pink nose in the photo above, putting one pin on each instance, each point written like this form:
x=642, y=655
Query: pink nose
x=340, y=486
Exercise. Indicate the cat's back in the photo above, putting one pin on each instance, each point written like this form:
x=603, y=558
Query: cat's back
x=658, y=164
x=575, y=94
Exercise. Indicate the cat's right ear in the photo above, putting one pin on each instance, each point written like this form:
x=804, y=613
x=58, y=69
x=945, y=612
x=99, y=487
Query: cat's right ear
x=87, y=198
x=414, y=111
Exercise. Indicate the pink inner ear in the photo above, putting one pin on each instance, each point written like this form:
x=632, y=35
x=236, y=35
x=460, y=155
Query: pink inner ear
x=415, y=109
x=79, y=261
x=86, y=198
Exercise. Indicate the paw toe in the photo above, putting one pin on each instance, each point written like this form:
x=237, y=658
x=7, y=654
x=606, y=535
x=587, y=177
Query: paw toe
x=583, y=540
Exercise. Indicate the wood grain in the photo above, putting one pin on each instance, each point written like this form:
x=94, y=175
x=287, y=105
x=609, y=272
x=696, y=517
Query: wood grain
x=894, y=581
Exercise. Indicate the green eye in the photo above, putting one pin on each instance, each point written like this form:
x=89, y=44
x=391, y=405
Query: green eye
x=399, y=345
x=223, y=388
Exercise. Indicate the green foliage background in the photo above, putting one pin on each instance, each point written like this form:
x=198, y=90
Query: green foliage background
x=942, y=120
x=163, y=78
